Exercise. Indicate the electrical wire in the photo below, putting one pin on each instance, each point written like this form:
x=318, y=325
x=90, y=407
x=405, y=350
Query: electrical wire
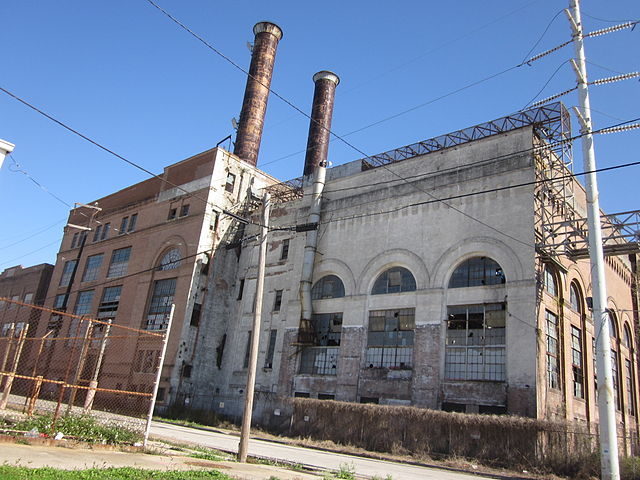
x=542, y=36
x=30, y=253
x=546, y=83
x=38, y=232
x=126, y=160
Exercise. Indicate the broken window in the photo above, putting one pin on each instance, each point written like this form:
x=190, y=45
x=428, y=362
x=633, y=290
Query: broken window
x=160, y=304
x=394, y=280
x=329, y=286
x=475, y=348
x=110, y=301
x=170, y=260
x=390, y=338
x=230, y=184
x=477, y=271
x=322, y=357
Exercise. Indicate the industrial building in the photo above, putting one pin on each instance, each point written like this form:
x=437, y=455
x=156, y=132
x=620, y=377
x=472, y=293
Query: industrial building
x=447, y=274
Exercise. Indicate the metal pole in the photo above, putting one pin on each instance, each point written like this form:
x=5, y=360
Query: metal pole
x=163, y=352
x=606, y=408
x=88, y=402
x=255, y=337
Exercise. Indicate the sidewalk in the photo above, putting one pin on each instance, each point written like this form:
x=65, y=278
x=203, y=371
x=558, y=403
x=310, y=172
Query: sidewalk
x=35, y=456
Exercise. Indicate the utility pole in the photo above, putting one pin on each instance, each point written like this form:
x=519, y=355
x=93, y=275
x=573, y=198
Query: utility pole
x=255, y=335
x=5, y=149
x=606, y=408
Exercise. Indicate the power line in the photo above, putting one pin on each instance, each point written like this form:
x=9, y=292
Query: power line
x=37, y=232
x=546, y=83
x=130, y=162
x=30, y=253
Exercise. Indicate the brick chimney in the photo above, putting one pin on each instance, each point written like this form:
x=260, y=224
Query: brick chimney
x=321, y=113
x=256, y=94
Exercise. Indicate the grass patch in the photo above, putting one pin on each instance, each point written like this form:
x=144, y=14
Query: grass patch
x=22, y=473
x=210, y=454
x=80, y=427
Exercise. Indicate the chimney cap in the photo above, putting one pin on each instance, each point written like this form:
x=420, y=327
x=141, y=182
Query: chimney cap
x=268, y=27
x=326, y=75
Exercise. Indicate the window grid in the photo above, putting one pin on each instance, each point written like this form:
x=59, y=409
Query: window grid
x=475, y=346
x=67, y=271
x=83, y=302
x=160, y=304
x=477, y=271
x=132, y=222
x=394, y=280
x=284, y=253
x=390, y=338
x=119, y=262
x=110, y=301
x=329, y=286
x=553, y=364
x=615, y=378
x=576, y=362
x=271, y=349
x=630, y=387
x=123, y=226
x=550, y=283
x=319, y=361
x=92, y=268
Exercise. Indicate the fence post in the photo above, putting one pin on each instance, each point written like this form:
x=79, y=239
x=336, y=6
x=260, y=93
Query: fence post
x=156, y=383
x=83, y=356
x=91, y=393
x=34, y=395
x=14, y=368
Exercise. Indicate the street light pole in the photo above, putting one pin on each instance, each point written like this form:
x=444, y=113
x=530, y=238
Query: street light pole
x=243, y=447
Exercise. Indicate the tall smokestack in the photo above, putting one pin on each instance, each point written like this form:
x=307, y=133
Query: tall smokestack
x=321, y=113
x=256, y=94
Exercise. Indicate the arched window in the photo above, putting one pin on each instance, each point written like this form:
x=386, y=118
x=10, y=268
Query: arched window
x=575, y=299
x=626, y=339
x=477, y=271
x=170, y=260
x=550, y=281
x=613, y=325
x=329, y=286
x=615, y=375
x=394, y=280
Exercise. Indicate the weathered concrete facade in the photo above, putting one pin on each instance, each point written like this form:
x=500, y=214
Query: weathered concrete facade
x=379, y=219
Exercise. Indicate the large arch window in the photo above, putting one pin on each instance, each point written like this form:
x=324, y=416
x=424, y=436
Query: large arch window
x=170, y=260
x=477, y=271
x=394, y=280
x=329, y=286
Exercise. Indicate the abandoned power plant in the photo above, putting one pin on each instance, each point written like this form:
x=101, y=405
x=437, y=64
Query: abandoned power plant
x=449, y=274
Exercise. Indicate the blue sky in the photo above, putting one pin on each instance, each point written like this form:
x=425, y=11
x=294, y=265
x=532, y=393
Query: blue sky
x=123, y=74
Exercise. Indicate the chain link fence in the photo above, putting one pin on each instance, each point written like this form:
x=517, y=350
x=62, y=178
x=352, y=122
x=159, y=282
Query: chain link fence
x=53, y=362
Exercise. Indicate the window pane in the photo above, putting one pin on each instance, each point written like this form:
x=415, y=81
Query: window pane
x=67, y=271
x=329, y=286
x=92, y=268
x=160, y=304
x=83, y=302
x=110, y=302
x=119, y=262
x=394, y=280
x=477, y=271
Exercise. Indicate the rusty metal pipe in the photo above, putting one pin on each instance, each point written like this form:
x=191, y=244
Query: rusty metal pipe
x=256, y=94
x=320, y=125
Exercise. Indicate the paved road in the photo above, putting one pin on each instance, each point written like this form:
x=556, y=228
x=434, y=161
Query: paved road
x=307, y=456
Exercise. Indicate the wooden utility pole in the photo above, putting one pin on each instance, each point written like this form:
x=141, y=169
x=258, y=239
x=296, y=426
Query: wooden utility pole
x=255, y=335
